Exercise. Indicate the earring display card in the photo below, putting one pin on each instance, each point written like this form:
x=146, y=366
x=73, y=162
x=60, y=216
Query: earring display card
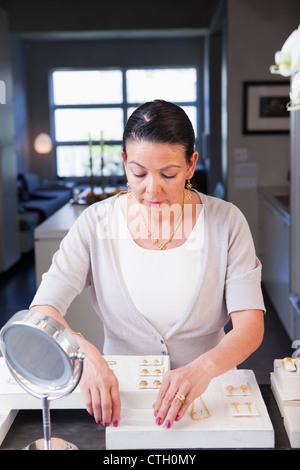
x=239, y=389
x=244, y=408
x=212, y=421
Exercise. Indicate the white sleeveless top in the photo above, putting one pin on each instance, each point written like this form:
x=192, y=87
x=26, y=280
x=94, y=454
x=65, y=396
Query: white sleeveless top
x=160, y=283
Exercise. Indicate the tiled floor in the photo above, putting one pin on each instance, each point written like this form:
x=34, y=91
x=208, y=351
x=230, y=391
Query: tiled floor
x=17, y=289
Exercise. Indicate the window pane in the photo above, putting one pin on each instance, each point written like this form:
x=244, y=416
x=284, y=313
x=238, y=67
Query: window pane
x=87, y=87
x=77, y=124
x=74, y=161
x=191, y=111
x=168, y=84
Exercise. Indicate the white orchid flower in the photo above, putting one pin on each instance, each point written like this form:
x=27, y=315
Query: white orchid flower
x=287, y=60
x=295, y=93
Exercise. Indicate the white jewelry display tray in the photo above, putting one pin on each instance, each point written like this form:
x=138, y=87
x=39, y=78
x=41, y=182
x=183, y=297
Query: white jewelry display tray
x=282, y=399
x=287, y=382
x=126, y=368
x=14, y=398
x=291, y=421
x=286, y=390
x=222, y=425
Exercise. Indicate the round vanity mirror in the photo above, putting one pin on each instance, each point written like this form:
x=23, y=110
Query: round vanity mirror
x=40, y=350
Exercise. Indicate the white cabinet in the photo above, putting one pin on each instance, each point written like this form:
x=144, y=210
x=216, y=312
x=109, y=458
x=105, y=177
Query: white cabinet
x=274, y=253
x=9, y=229
x=48, y=235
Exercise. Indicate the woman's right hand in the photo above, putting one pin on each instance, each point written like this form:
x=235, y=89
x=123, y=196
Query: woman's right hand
x=99, y=386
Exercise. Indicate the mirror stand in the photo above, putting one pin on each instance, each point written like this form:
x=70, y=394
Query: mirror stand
x=48, y=442
x=40, y=350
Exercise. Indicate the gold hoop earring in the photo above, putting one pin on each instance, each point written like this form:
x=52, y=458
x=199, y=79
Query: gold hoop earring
x=188, y=187
x=129, y=192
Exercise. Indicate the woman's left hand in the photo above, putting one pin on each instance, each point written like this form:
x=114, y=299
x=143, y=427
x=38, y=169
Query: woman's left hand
x=190, y=382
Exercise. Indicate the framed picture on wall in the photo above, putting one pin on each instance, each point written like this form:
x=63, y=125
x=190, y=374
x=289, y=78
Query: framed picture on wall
x=265, y=107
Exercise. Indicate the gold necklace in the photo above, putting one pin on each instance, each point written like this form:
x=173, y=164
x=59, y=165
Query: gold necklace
x=162, y=245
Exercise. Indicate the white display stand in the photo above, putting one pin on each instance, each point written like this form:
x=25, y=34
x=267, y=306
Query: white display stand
x=291, y=423
x=230, y=417
x=13, y=397
x=285, y=386
x=126, y=368
x=6, y=419
x=221, y=424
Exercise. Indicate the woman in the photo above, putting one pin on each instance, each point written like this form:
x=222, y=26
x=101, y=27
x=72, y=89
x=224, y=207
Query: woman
x=167, y=267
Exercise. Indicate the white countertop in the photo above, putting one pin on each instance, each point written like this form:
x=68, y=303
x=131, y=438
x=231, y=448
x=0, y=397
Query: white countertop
x=58, y=224
x=271, y=194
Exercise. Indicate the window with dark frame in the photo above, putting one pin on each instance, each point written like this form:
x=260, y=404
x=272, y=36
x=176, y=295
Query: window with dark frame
x=90, y=107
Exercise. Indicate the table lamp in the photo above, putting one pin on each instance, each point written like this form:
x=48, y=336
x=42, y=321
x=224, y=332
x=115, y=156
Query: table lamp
x=45, y=360
x=43, y=145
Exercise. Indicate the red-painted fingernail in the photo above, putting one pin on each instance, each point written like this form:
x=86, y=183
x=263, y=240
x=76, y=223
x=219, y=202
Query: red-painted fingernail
x=106, y=424
x=158, y=421
x=115, y=423
x=156, y=413
x=177, y=418
x=168, y=423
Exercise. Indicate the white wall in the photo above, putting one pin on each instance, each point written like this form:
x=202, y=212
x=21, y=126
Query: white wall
x=9, y=231
x=256, y=30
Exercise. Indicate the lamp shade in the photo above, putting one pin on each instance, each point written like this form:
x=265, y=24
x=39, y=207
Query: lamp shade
x=42, y=143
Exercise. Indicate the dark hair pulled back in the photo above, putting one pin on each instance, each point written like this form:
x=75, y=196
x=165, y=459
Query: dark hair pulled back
x=160, y=121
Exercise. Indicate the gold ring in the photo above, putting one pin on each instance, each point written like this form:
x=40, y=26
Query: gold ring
x=180, y=397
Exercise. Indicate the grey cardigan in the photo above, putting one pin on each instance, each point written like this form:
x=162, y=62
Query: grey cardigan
x=230, y=281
